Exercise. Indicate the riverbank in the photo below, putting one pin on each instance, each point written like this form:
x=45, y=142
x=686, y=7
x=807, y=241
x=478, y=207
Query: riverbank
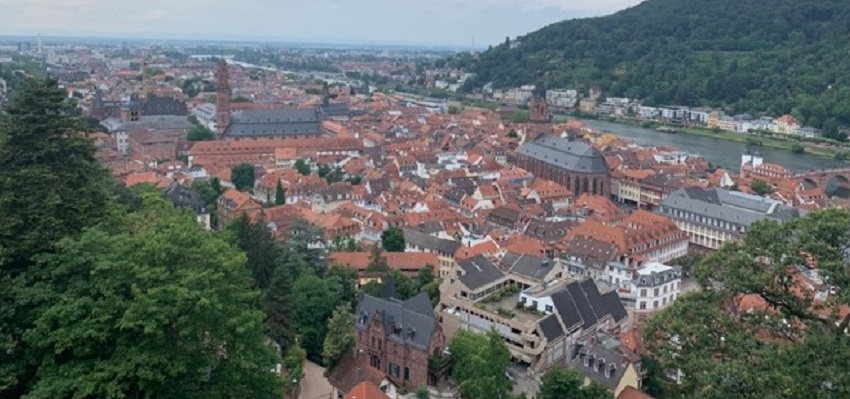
x=752, y=140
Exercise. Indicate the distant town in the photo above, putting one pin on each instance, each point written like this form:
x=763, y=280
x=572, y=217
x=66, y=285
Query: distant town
x=563, y=239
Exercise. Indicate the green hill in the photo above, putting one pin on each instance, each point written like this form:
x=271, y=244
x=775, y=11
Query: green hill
x=758, y=56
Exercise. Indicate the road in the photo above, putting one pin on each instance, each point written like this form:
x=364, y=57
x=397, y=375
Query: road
x=315, y=385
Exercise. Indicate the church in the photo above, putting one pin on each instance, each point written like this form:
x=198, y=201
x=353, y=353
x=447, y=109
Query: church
x=269, y=123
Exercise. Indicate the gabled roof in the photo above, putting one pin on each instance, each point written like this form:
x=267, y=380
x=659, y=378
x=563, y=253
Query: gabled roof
x=412, y=319
x=478, y=272
x=580, y=305
x=366, y=390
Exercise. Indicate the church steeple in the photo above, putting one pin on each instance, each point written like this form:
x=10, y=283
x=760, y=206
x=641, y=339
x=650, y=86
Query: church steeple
x=222, y=97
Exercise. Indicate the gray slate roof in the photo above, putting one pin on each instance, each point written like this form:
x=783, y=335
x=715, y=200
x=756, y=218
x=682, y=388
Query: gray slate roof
x=533, y=267
x=729, y=206
x=575, y=156
x=580, y=305
x=274, y=122
x=427, y=241
x=602, y=361
x=159, y=122
x=479, y=271
x=551, y=328
x=415, y=317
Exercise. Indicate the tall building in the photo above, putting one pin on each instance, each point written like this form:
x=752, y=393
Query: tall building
x=222, y=97
x=573, y=164
x=539, y=109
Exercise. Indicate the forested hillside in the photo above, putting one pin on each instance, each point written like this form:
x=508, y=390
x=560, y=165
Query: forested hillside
x=758, y=56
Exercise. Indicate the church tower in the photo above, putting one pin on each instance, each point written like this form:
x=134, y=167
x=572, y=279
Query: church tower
x=539, y=109
x=222, y=97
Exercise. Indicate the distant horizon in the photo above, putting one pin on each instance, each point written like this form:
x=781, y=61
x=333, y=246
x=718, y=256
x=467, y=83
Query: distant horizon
x=439, y=23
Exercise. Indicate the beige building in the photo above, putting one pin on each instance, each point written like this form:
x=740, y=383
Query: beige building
x=539, y=322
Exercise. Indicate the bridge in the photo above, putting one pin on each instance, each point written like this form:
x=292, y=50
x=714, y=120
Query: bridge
x=827, y=179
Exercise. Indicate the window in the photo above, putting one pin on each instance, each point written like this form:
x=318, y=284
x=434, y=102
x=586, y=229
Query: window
x=534, y=304
x=643, y=305
x=393, y=370
x=655, y=304
x=406, y=373
x=643, y=292
x=549, y=308
x=395, y=349
x=656, y=292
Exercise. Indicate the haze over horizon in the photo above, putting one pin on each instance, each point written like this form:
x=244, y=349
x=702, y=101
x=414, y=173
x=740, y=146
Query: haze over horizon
x=438, y=22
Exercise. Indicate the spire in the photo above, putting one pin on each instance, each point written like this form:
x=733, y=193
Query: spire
x=145, y=81
x=222, y=105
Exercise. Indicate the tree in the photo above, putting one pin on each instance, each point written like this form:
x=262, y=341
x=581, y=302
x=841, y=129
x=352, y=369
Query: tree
x=52, y=188
x=761, y=187
x=521, y=117
x=158, y=308
x=481, y=361
x=392, y=240
x=199, y=133
x=797, y=149
x=513, y=134
x=378, y=266
x=560, y=383
x=262, y=251
x=243, y=177
x=293, y=363
x=340, y=337
x=279, y=194
x=278, y=305
x=314, y=301
x=302, y=167
x=453, y=110
x=756, y=330
x=308, y=241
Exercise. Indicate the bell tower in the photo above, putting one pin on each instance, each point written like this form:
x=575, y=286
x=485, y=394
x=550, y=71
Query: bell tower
x=222, y=99
x=539, y=109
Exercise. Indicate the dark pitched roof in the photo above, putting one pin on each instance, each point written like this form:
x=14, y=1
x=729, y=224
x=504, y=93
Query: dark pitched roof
x=533, y=267
x=603, y=360
x=551, y=328
x=580, y=305
x=274, y=122
x=478, y=272
x=575, y=156
x=410, y=318
x=427, y=241
x=184, y=197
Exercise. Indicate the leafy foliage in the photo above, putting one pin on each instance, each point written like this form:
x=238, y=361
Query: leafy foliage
x=52, y=188
x=777, y=57
x=756, y=330
x=340, y=337
x=160, y=309
x=480, y=365
x=559, y=383
x=199, y=133
x=392, y=240
x=243, y=177
x=302, y=167
x=761, y=187
x=279, y=194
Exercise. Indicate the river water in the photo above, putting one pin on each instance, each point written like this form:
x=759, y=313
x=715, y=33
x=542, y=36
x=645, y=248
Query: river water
x=723, y=153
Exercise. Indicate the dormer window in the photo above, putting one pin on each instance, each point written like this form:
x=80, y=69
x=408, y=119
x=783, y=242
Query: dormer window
x=601, y=366
x=612, y=370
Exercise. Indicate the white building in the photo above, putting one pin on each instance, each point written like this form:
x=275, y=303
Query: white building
x=647, y=290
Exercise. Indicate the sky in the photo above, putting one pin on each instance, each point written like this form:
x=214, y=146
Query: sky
x=437, y=22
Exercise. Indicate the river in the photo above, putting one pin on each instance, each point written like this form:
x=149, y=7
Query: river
x=723, y=153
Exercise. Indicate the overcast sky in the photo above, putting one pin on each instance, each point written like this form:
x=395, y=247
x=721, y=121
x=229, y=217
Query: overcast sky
x=452, y=22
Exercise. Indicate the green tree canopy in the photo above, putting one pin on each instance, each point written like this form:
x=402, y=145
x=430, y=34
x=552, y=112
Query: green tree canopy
x=158, y=309
x=243, y=177
x=521, y=117
x=561, y=383
x=199, y=133
x=340, y=337
x=314, y=301
x=761, y=187
x=302, y=167
x=757, y=330
x=279, y=194
x=256, y=240
x=52, y=187
x=392, y=240
x=481, y=361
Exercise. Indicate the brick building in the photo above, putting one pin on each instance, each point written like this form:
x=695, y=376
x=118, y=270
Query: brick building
x=397, y=339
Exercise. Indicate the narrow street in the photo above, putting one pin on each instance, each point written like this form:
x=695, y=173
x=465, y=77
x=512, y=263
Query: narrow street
x=315, y=385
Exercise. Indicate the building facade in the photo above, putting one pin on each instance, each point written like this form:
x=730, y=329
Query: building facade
x=573, y=164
